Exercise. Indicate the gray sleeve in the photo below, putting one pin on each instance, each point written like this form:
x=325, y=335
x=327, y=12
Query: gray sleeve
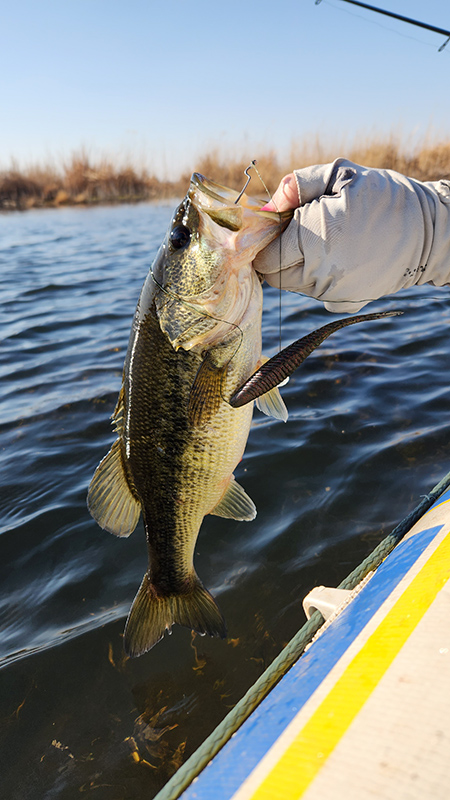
x=360, y=234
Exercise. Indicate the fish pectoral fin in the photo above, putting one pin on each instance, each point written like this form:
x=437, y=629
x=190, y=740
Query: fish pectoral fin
x=205, y=396
x=110, y=500
x=271, y=403
x=235, y=504
x=152, y=614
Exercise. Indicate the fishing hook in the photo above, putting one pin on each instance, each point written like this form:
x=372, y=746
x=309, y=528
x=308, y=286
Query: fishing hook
x=249, y=177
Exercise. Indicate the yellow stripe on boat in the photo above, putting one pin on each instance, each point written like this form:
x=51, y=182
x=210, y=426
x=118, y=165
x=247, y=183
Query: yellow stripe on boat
x=307, y=753
x=364, y=714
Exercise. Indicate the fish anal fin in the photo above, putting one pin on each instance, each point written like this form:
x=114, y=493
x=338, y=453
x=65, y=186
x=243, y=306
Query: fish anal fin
x=153, y=613
x=235, y=504
x=110, y=500
x=206, y=392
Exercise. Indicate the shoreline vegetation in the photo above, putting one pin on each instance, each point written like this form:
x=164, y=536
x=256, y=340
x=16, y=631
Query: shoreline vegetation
x=83, y=180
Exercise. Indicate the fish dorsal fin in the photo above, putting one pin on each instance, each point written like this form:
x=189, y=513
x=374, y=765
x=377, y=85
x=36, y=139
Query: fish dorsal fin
x=271, y=403
x=110, y=500
x=235, y=504
x=229, y=217
x=205, y=396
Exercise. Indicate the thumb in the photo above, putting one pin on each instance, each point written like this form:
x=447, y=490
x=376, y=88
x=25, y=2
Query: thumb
x=286, y=195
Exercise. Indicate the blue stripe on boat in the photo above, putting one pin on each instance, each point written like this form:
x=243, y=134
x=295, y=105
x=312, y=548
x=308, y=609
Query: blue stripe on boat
x=225, y=774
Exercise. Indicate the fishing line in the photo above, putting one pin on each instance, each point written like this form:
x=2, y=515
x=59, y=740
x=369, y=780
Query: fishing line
x=279, y=249
x=264, y=185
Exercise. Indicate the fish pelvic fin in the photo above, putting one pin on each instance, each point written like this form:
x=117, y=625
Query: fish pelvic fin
x=153, y=613
x=109, y=499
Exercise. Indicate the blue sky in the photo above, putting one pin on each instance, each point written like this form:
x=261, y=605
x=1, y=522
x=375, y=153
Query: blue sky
x=165, y=81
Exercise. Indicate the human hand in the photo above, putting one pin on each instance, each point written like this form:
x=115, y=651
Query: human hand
x=357, y=234
x=285, y=197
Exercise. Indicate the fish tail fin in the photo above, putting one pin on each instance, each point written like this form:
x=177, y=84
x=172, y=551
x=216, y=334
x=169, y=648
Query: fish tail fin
x=153, y=613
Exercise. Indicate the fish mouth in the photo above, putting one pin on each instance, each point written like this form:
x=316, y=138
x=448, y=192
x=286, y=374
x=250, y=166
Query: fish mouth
x=224, y=195
x=210, y=196
x=206, y=294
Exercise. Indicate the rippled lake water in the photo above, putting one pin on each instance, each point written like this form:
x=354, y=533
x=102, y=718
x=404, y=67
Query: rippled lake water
x=368, y=433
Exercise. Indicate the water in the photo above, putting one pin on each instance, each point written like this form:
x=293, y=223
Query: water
x=368, y=433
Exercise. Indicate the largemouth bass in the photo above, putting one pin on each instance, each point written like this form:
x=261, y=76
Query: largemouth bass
x=195, y=339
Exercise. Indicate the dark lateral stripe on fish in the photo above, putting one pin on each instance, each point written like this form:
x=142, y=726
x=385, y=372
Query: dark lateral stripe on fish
x=278, y=368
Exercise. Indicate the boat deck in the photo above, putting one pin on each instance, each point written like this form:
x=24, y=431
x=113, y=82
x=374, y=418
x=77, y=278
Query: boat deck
x=365, y=712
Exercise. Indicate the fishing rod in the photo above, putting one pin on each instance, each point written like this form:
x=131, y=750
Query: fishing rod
x=411, y=21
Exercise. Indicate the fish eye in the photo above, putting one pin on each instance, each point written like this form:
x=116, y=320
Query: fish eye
x=180, y=236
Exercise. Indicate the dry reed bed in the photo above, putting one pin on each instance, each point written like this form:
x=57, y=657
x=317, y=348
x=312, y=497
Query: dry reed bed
x=84, y=181
x=80, y=181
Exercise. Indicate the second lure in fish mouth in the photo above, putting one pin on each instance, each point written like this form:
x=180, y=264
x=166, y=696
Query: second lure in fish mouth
x=284, y=363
